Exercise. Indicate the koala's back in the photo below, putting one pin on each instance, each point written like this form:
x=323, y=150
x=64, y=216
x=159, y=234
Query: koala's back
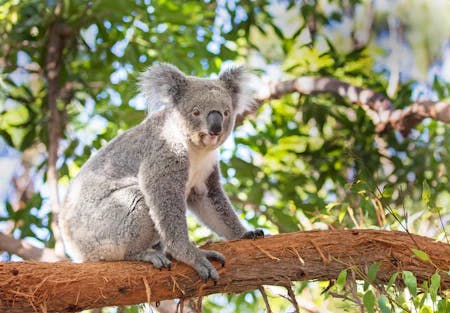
x=105, y=195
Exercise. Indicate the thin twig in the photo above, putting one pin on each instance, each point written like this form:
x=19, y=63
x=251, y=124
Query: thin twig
x=266, y=253
x=199, y=304
x=292, y=297
x=298, y=255
x=175, y=285
x=266, y=301
x=443, y=227
x=324, y=259
x=148, y=291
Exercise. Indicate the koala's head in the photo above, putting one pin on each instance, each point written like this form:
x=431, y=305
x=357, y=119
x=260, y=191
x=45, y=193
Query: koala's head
x=208, y=106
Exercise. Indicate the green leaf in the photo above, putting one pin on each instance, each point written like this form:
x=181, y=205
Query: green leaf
x=426, y=309
x=299, y=31
x=278, y=31
x=392, y=280
x=132, y=309
x=342, y=214
x=366, y=286
x=434, y=286
x=388, y=190
x=410, y=282
x=9, y=209
x=424, y=296
x=421, y=255
x=341, y=280
x=7, y=137
x=373, y=269
x=443, y=305
x=332, y=205
x=369, y=301
x=383, y=303
x=438, y=87
x=28, y=139
x=17, y=116
x=426, y=192
x=360, y=186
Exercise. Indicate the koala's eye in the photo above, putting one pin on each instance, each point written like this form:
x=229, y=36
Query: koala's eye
x=226, y=113
x=196, y=112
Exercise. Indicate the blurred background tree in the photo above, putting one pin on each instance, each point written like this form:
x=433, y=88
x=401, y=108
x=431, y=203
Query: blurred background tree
x=68, y=72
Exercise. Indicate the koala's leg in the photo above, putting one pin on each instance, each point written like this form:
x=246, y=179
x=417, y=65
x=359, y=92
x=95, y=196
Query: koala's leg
x=111, y=227
x=215, y=210
x=164, y=190
x=138, y=231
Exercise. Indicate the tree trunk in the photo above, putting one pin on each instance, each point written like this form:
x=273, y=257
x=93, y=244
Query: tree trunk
x=274, y=260
x=58, y=35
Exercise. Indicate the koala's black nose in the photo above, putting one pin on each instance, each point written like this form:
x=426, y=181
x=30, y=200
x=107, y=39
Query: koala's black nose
x=214, y=123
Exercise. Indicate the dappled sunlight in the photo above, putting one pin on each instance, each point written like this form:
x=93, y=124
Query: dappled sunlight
x=348, y=129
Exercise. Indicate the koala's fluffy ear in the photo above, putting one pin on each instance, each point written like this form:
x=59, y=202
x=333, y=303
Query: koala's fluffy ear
x=162, y=84
x=237, y=81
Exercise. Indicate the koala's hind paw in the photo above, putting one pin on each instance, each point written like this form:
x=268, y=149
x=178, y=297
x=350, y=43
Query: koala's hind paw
x=253, y=234
x=156, y=257
x=204, y=268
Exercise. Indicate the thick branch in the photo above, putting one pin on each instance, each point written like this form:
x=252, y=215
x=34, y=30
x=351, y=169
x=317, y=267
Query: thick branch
x=26, y=251
x=378, y=107
x=275, y=260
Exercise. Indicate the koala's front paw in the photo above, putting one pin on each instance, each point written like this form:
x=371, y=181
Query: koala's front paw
x=253, y=234
x=204, y=268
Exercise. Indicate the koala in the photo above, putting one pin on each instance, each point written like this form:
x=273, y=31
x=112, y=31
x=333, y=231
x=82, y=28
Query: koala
x=129, y=200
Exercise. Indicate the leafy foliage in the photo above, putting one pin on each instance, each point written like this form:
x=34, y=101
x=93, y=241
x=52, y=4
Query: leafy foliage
x=304, y=162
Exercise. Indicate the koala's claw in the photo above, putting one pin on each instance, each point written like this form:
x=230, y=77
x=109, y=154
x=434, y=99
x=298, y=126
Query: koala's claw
x=214, y=256
x=205, y=269
x=253, y=234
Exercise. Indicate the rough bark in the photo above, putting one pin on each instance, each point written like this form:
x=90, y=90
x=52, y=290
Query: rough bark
x=274, y=260
x=378, y=107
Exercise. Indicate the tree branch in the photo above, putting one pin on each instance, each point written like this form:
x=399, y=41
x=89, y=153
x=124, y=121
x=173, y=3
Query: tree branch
x=274, y=260
x=378, y=107
x=26, y=251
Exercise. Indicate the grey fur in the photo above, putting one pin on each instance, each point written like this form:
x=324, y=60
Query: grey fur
x=128, y=201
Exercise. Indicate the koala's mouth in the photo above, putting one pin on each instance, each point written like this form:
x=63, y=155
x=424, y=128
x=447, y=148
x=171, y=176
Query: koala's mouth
x=210, y=140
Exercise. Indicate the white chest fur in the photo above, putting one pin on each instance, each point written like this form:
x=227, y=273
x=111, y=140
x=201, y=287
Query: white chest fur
x=201, y=164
